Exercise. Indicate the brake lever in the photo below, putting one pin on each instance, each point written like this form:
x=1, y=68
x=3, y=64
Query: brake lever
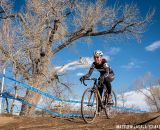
x=84, y=83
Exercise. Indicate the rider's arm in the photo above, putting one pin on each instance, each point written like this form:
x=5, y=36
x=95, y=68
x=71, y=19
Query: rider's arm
x=106, y=68
x=90, y=71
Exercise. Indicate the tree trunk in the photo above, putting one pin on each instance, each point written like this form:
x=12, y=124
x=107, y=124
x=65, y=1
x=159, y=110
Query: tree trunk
x=32, y=98
x=40, y=61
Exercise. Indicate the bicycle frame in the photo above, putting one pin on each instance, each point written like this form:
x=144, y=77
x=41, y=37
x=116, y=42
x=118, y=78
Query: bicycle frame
x=95, y=89
x=100, y=102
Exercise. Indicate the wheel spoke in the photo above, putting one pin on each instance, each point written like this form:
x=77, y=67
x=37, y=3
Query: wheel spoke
x=88, y=105
x=110, y=110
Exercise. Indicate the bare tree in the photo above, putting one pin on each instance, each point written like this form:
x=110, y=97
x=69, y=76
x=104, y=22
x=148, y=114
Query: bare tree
x=151, y=93
x=30, y=38
x=123, y=98
x=153, y=98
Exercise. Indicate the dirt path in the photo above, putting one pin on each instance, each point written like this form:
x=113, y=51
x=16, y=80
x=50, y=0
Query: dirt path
x=49, y=123
x=6, y=120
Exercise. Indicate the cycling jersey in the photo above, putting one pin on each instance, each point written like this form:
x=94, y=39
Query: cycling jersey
x=103, y=68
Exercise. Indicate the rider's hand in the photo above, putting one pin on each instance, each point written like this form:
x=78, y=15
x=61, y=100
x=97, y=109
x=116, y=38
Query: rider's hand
x=82, y=78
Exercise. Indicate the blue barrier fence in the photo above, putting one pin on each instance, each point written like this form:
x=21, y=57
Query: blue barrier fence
x=53, y=98
x=40, y=92
x=7, y=95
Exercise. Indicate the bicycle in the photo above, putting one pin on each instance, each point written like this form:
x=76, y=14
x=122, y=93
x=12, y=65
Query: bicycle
x=91, y=100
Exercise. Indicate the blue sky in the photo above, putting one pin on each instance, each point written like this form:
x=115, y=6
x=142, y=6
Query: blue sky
x=129, y=59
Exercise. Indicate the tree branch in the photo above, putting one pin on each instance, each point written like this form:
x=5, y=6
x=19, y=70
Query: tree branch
x=79, y=31
x=19, y=15
x=53, y=31
x=2, y=12
x=145, y=95
x=19, y=66
x=55, y=72
x=114, y=31
x=64, y=67
x=67, y=43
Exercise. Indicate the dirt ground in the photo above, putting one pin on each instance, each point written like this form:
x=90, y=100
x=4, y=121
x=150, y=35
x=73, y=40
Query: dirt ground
x=64, y=123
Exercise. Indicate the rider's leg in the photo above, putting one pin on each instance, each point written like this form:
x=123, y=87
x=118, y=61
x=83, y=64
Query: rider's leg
x=100, y=89
x=109, y=89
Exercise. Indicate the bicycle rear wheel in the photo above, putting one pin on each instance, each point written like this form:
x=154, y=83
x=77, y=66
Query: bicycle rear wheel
x=89, y=105
x=110, y=110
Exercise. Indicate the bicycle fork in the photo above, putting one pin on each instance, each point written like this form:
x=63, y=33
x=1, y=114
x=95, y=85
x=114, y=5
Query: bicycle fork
x=90, y=103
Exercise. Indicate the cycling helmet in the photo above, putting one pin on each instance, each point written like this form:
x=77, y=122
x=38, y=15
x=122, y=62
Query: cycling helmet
x=98, y=53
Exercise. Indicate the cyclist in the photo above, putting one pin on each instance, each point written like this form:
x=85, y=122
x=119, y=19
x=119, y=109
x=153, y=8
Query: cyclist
x=106, y=73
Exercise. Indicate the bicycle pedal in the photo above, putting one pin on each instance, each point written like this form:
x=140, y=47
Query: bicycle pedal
x=99, y=113
x=110, y=103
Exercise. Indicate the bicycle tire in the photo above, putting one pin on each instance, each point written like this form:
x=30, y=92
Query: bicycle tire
x=89, y=100
x=110, y=110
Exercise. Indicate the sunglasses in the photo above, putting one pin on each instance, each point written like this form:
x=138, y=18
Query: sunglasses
x=97, y=57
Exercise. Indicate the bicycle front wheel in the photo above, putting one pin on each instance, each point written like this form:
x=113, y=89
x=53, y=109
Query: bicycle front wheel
x=89, y=104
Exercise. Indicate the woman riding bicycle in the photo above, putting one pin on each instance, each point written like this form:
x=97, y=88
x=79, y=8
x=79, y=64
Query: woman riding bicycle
x=106, y=73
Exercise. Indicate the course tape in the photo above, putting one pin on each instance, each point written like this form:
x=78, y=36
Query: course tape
x=6, y=95
x=128, y=109
x=41, y=92
x=58, y=99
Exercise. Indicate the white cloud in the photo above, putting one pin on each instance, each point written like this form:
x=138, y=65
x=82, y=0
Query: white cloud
x=131, y=65
x=152, y=47
x=113, y=51
x=80, y=74
x=136, y=99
